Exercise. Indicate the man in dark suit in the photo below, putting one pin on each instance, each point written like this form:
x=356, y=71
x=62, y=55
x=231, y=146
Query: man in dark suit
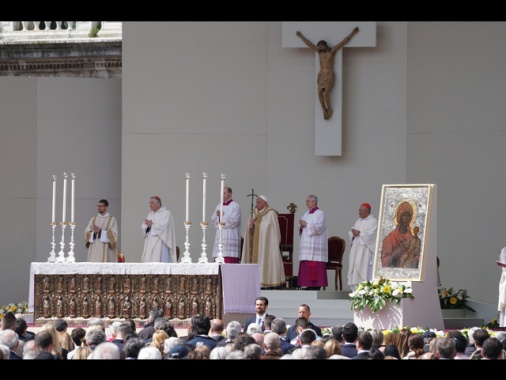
x=9, y=322
x=10, y=339
x=261, y=305
x=22, y=329
x=364, y=344
x=216, y=331
x=350, y=333
x=149, y=329
x=278, y=325
x=122, y=332
x=304, y=311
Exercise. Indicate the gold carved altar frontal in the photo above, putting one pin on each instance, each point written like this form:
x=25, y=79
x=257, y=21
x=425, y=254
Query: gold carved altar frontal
x=79, y=297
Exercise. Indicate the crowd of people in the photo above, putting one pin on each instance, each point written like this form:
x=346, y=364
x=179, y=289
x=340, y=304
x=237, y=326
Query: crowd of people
x=263, y=337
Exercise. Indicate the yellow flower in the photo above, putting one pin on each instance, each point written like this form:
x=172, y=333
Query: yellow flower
x=453, y=300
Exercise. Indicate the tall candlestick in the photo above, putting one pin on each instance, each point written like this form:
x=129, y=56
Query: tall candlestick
x=72, y=199
x=204, y=176
x=65, y=176
x=221, y=203
x=187, y=195
x=54, y=199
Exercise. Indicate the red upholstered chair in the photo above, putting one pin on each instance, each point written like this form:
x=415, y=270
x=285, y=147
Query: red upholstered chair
x=337, y=246
x=121, y=258
x=286, y=223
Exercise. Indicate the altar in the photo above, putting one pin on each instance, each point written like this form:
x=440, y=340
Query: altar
x=115, y=291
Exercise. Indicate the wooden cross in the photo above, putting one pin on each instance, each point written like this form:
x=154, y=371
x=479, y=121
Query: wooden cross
x=328, y=133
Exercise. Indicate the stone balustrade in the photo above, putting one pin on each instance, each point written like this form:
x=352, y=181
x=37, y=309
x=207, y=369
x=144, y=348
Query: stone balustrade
x=60, y=49
x=32, y=31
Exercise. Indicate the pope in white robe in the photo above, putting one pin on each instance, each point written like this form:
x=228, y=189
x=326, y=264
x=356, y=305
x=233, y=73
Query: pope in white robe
x=159, y=234
x=363, y=244
x=264, y=236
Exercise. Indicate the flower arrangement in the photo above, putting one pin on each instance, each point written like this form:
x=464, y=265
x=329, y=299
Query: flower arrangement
x=492, y=324
x=376, y=293
x=20, y=307
x=415, y=330
x=453, y=299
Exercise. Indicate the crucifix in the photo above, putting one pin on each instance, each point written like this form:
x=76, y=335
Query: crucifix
x=252, y=195
x=250, y=253
x=328, y=124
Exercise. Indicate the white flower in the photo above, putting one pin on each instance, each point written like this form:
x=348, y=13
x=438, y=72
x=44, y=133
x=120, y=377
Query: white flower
x=374, y=294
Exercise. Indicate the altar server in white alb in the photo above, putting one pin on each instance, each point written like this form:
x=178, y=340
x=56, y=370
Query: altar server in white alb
x=101, y=235
x=363, y=244
x=159, y=234
x=231, y=228
x=313, y=247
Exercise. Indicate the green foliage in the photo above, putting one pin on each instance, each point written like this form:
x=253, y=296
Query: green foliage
x=375, y=294
x=94, y=32
x=492, y=324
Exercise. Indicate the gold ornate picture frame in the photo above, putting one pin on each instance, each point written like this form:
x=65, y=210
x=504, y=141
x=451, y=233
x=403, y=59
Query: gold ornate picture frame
x=403, y=226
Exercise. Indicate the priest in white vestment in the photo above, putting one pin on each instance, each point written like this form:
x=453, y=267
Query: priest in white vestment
x=261, y=244
x=502, y=289
x=101, y=235
x=159, y=234
x=363, y=244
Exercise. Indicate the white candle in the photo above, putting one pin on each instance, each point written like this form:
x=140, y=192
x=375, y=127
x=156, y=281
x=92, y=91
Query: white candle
x=54, y=199
x=187, y=194
x=204, y=176
x=72, y=198
x=221, y=203
x=64, y=197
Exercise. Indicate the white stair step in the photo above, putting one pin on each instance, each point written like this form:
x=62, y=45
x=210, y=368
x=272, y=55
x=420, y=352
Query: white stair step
x=328, y=308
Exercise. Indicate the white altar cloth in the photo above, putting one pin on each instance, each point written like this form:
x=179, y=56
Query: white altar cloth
x=240, y=282
x=241, y=286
